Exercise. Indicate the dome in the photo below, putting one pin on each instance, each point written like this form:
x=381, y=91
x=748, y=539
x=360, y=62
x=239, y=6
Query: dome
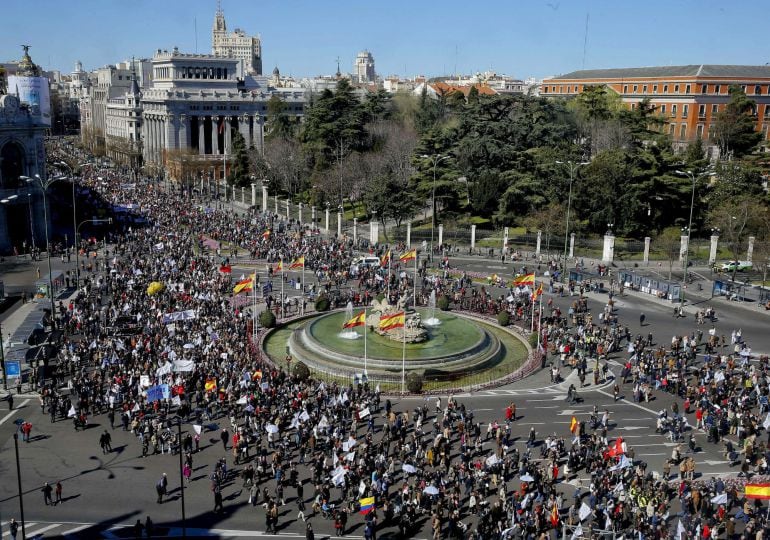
x=276, y=73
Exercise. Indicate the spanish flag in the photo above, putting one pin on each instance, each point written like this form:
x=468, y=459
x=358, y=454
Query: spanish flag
x=394, y=320
x=278, y=267
x=408, y=256
x=385, y=259
x=573, y=425
x=211, y=385
x=266, y=234
x=367, y=505
x=554, y=516
x=527, y=279
x=297, y=263
x=358, y=320
x=256, y=375
x=244, y=285
x=757, y=491
x=537, y=293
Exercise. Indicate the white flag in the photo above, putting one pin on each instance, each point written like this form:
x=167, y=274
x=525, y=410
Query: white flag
x=680, y=532
x=197, y=429
x=584, y=511
x=71, y=413
x=364, y=413
x=720, y=499
x=766, y=423
x=578, y=532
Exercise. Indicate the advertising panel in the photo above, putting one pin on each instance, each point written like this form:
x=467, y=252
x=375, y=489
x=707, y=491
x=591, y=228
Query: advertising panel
x=34, y=92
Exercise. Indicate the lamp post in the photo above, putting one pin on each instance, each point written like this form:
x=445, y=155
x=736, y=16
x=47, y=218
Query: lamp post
x=74, y=200
x=181, y=473
x=694, y=178
x=44, y=185
x=573, y=166
x=18, y=423
x=77, y=251
x=438, y=158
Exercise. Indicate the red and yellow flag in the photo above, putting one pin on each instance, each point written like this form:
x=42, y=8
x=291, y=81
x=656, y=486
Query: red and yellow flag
x=526, y=279
x=266, y=234
x=537, y=293
x=211, y=385
x=297, y=263
x=757, y=491
x=278, y=267
x=554, y=516
x=244, y=285
x=385, y=259
x=394, y=320
x=256, y=375
x=408, y=256
x=358, y=320
x=573, y=425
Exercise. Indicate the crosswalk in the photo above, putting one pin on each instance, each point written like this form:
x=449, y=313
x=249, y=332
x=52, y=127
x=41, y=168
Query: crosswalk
x=42, y=529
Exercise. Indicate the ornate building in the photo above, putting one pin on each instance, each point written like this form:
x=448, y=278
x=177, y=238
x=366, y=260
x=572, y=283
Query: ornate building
x=363, y=68
x=236, y=44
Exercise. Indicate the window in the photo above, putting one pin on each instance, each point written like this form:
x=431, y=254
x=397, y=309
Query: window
x=676, y=88
x=767, y=111
x=636, y=89
x=644, y=89
x=714, y=109
x=683, y=131
x=704, y=88
x=625, y=89
x=655, y=88
x=699, y=131
x=717, y=89
x=665, y=89
x=758, y=90
x=662, y=109
x=673, y=110
x=702, y=111
x=671, y=129
x=219, y=73
x=687, y=89
x=743, y=87
x=684, y=110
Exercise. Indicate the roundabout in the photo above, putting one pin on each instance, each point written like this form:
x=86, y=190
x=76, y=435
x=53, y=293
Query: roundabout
x=457, y=351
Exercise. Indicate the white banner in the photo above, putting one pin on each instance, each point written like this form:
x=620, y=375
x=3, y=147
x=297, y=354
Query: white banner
x=584, y=511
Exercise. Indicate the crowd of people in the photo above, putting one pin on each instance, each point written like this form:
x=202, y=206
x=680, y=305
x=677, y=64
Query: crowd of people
x=344, y=445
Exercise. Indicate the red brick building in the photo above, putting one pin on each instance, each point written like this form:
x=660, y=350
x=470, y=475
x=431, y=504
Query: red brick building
x=688, y=97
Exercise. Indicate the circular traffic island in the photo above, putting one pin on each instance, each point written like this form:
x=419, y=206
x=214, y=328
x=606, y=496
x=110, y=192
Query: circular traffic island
x=456, y=352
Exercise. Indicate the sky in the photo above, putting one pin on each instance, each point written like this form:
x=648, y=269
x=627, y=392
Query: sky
x=520, y=38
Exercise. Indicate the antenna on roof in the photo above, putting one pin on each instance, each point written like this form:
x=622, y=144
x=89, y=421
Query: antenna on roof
x=585, y=41
x=195, y=30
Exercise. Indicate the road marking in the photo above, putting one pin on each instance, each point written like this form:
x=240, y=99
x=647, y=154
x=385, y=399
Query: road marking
x=661, y=454
x=7, y=416
x=32, y=534
x=76, y=529
x=8, y=533
x=633, y=404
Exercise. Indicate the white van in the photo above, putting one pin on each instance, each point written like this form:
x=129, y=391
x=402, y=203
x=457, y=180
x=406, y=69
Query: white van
x=370, y=261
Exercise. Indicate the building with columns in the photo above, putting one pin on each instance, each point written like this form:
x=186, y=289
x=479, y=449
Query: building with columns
x=196, y=103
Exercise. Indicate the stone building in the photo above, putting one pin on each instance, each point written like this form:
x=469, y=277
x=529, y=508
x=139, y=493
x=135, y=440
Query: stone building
x=247, y=49
x=363, y=68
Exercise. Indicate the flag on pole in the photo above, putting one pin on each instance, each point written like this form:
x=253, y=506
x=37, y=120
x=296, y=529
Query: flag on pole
x=358, y=320
x=297, y=263
x=278, y=267
x=367, y=505
x=408, y=256
x=554, y=516
x=244, y=285
x=537, y=293
x=394, y=320
x=758, y=491
x=573, y=424
x=385, y=259
x=526, y=279
x=211, y=385
x=617, y=448
x=266, y=234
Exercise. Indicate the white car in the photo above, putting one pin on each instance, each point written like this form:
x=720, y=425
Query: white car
x=370, y=261
x=740, y=266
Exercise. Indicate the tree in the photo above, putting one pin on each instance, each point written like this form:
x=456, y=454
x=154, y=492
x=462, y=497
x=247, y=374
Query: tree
x=735, y=127
x=279, y=124
x=737, y=219
x=286, y=165
x=669, y=241
x=239, y=163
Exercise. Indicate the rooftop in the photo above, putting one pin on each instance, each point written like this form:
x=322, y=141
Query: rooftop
x=693, y=70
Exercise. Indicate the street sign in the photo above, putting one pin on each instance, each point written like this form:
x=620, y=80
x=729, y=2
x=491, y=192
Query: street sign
x=12, y=368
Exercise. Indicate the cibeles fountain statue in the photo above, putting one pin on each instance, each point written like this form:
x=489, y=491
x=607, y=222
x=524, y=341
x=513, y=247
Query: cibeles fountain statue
x=413, y=330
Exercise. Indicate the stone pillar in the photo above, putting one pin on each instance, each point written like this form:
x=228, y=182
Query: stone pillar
x=243, y=194
x=355, y=231
x=473, y=236
x=264, y=198
x=713, y=248
x=327, y=221
x=171, y=132
x=299, y=213
x=339, y=224
x=276, y=205
x=571, y=245
x=254, y=196
x=440, y=234
x=646, y=249
x=288, y=209
x=243, y=129
x=608, y=253
x=537, y=246
x=374, y=236
x=313, y=216
x=228, y=121
x=215, y=134
x=201, y=135
x=750, y=252
x=184, y=132
x=409, y=235
x=683, y=247
x=505, y=238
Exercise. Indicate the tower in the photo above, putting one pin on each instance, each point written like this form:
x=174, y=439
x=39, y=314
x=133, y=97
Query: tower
x=363, y=67
x=235, y=44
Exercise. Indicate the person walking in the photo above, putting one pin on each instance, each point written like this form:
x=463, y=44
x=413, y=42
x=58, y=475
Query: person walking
x=105, y=441
x=309, y=534
x=47, y=491
x=218, y=503
x=161, y=487
x=57, y=492
x=13, y=526
x=149, y=527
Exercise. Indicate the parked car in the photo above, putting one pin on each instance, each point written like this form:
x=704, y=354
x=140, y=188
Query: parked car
x=740, y=266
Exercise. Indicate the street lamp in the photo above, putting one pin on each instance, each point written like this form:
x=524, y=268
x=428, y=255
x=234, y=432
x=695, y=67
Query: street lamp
x=438, y=158
x=77, y=251
x=573, y=166
x=181, y=473
x=694, y=178
x=74, y=201
x=44, y=185
x=18, y=423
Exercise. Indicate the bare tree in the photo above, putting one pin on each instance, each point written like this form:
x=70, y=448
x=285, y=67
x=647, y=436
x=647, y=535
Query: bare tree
x=286, y=164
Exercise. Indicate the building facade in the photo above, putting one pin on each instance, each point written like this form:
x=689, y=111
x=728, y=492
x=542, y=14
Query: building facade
x=363, y=68
x=688, y=97
x=237, y=44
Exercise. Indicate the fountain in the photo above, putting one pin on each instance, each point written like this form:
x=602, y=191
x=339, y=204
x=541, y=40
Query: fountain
x=348, y=333
x=432, y=321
